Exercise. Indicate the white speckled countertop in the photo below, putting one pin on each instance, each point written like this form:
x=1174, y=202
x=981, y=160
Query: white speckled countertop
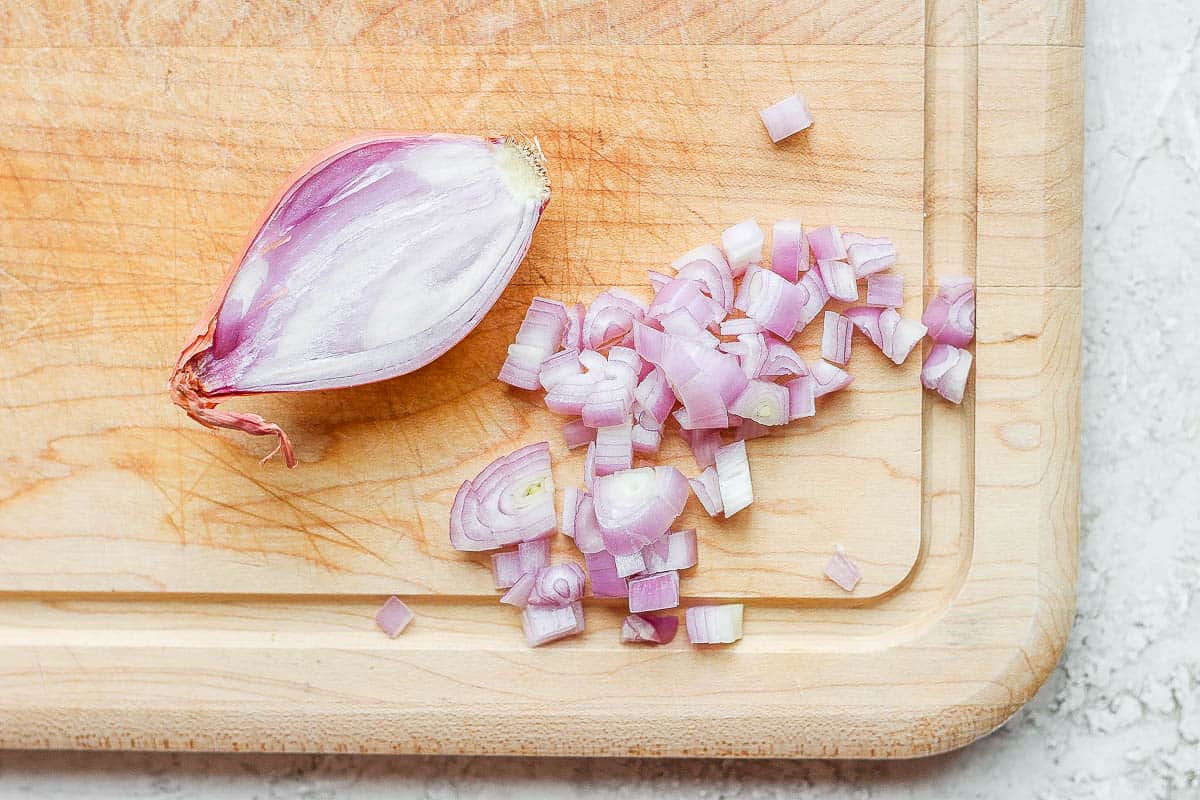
x=1120, y=717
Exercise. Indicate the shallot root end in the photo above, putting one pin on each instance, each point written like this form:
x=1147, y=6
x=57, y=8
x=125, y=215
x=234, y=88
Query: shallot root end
x=204, y=410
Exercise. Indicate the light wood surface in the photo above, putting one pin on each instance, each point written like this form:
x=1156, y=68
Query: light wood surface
x=159, y=589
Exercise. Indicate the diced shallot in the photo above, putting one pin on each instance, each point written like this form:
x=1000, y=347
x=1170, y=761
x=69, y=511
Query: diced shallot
x=895, y=336
x=534, y=555
x=733, y=478
x=838, y=278
x=826, y=244
x=828, y=378
x=603, y=392
x=802, y=397
x=506, y=568
x=645, y=441
x=707, y=265
x=743, y=245
x=869, y=255
x=630, y=358
x=704, y=446
x=842, y=571
x=589, y=466
x=586, y=529
x=577, y=433
x=650, y=628
x=654, y=592
x=571, y=498
x=885, y=289
x=511, y=500
x=518, y=595
x=614, y=449
x=655, y=397
x=561, y=366
x=708, y=491
x=394, y=617
x=714, y=624
x=703, y=379
x=602, y=574
x=748, y=429
x=557, y=585
x=657, y=280
x=637, y=506
x=675, y=551
x=544, y=624
x=813, y=297
x=736, y=327
x=770, y=300
x=764, y=402
x=751, y=350
x=835, y=339
x=789, y=250
x=782, y=361
x=691, y=297
x=946, y=370
x=789, y=116
x=576, y=314
x=950, y=315
x=540, y=336
x=610, y=316
x=681, y=323
x=631, y=564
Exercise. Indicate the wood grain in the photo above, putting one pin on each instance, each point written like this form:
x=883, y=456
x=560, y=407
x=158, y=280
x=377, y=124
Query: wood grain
x=160, y=590
x=504, y=22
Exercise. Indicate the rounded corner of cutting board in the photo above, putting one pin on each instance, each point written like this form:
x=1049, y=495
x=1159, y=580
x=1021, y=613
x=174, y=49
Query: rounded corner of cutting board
x=1018, y=673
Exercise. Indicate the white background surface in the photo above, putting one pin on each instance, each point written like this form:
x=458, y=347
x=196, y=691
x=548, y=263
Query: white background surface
x=1120, y=717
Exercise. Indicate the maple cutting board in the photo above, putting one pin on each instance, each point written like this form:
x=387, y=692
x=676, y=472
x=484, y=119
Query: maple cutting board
x=160, y=589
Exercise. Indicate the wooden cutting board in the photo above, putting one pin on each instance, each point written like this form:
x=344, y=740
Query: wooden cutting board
x=159, y=589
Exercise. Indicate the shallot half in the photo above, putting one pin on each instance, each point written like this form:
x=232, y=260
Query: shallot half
x=374, y=259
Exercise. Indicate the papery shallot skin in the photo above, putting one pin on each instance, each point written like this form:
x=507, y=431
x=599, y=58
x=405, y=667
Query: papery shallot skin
x=374, y=259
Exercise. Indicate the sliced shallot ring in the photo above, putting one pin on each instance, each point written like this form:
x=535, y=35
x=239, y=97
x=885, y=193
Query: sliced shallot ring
x=637, y=506
x=511, y=500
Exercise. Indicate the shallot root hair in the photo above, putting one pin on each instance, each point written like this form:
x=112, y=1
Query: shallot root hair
x=186, y=394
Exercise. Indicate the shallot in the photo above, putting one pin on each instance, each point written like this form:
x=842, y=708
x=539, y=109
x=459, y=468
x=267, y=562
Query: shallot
x=894, y=335
x=544, y=624
x=868, y=255
x=789, y=116
x=707, y=489
x=789, y=249
x=885, y=289
x=650, y=628
x=842, y=571
x=950, y=315
x=714, y=624
x=835, y=339
x=637, y=506
x=624, y=370
x=733, y=478
x=675, y=551
x=654, y=592
x=945, y=371
x=394, y=617
x=373, y=260
x=743, y=244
